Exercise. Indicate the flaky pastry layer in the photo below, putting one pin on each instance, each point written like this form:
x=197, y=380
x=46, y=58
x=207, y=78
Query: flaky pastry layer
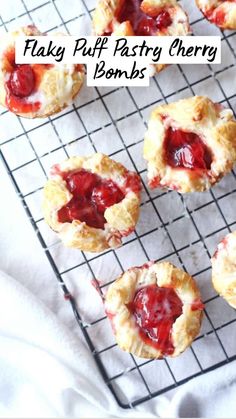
x=222, y=14
x=122, y=292
x=224, y=269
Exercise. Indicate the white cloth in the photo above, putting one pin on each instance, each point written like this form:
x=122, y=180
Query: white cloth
x=46, y=368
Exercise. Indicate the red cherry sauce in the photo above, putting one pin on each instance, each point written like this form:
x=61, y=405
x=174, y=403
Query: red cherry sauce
x=222, y=245
x=155, y=310
x=79, y=68
x=154, y=183
x=217, y=15
x=186, y=150
x=142, y=23
x=197, y=305
x=91, y=197
x=23, y=81
x=133, y=183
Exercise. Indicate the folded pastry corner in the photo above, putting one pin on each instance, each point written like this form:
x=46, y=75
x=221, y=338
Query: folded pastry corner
x=224, y=269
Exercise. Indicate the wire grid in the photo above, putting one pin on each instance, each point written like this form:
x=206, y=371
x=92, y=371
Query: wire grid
x=98, y=115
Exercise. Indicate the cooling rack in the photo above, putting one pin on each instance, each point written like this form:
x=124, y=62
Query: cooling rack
x=182, y=229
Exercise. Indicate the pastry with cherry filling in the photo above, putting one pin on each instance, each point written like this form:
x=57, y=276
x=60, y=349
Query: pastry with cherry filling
x=155, y=310
x=190, y=144
x=220, y=12
x=92, y=202
x=35, y=90
x=140, y=18
x=224, y=269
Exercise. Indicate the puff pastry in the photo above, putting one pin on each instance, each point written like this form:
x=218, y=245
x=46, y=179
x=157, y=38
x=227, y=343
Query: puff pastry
x=155, y=310
x=92, y=202
x=190, y=144
x=224, y=269
x=36, y=90
x=220, y=12
x=140, y=17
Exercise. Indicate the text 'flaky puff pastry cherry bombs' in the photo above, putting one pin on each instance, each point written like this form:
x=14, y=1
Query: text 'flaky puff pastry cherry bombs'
x=92, y=202
x=155, y=310
x=35, y=90
x=190, y=144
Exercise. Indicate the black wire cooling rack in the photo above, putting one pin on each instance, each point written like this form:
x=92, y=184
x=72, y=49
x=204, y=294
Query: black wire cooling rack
x=204, y=218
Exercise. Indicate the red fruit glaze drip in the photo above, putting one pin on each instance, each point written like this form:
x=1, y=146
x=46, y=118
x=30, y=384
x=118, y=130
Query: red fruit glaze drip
x=111, y=317
x=133, y=183
x=155, y=310
x=222, y=245
x=186, y=150
x=142, y=24
x=146, y=265
x=91, y=197
x=21, y=106
x=79, y=68
x=68, y=296
x=154, y=183
x=197, y=305
x=96, y=285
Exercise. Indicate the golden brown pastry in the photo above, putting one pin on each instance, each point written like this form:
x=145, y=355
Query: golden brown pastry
x=155, y=310
x=92, y=202
x=224, y=269
x=141, y=18
x=220, y=12
x=35, y=90
x=190, y=144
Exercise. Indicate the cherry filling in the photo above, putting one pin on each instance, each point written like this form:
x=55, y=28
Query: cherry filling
x=197, y=305
x=186, y=150
x=222, y=245
x=155, y=310
x=143, y=24
x=216, y=15
x=23, y=81
x=91, y=197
